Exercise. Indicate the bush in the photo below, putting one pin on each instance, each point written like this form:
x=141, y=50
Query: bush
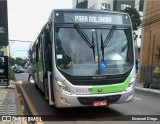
x=11, y=75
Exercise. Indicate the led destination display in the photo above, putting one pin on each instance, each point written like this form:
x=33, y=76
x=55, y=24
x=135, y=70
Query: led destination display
x=91, y=17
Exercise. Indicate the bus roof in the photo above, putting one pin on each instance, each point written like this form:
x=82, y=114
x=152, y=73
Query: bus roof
x=87, y=10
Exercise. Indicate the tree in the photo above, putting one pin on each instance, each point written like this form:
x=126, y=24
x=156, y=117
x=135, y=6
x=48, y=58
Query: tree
x=12, y=61
x=21, y=62
x=135, y=18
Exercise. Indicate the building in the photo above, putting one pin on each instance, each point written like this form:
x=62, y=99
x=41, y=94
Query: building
x=101, y=4
x=114, y=5
x=4, y=51
x=150, y=55
x=110, y=5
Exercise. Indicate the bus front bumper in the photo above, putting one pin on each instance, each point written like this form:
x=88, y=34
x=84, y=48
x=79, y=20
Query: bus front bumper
x=64, y=100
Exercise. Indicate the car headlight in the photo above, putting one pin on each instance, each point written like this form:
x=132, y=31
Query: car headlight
x=63, y=88
x=131, y=83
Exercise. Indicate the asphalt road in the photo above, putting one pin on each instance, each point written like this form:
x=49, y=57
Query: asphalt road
x=145, y=104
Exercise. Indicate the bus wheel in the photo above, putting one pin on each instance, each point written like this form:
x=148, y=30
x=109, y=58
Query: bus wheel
x=46, y=88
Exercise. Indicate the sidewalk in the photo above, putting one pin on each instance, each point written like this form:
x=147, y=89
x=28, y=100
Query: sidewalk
x=139, y=86
x=7, y=100
x=8, y=103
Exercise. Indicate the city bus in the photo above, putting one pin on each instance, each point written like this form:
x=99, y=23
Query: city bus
x=85, y=58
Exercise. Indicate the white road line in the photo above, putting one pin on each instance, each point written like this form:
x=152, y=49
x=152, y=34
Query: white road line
x=137, y=98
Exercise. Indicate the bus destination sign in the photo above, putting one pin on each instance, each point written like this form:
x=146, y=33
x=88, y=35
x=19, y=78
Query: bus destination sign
x=91, y=17
x=94, y=19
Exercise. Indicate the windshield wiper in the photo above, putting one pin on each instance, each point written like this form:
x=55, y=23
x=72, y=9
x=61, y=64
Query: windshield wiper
x=86, y=39
x=108, y=38
x=124, y=48
x=93, y=46
x=83, y=35
x=102, y=47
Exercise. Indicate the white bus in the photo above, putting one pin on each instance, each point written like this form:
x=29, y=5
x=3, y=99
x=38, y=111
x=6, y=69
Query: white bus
x=85, y=58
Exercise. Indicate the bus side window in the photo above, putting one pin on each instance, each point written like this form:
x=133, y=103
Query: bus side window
x=37, y=53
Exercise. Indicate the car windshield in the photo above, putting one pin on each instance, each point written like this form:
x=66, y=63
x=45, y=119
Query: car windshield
x=91, y=52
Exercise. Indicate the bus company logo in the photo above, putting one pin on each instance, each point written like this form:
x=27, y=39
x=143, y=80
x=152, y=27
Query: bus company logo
x=6, y=118
x=99, y=90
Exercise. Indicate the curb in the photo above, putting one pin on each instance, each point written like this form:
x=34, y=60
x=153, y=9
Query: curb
x=149, y=90
x=29, y=104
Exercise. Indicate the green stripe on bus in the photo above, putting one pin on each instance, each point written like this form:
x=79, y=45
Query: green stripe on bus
x=110, y=88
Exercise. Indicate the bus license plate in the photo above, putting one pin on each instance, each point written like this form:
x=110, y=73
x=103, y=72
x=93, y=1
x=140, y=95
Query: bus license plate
x=99, y=103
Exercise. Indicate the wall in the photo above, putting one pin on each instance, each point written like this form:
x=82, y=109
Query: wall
x=4, y=51
x=151, y=40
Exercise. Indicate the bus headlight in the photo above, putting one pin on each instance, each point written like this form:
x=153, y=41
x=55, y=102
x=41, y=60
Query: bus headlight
x=63, y=88
x=131, y=83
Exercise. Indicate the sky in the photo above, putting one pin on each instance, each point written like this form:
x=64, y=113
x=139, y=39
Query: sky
x=26, y=19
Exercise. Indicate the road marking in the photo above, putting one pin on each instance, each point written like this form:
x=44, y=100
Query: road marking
x=137, y=98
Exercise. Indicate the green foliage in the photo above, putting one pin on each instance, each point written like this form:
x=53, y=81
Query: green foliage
x=11, y=75
x=135, y=17
x=12, y=61
x=18, y=61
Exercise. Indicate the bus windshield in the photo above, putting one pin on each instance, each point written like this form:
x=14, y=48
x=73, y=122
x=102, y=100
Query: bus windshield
x=93, y=51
